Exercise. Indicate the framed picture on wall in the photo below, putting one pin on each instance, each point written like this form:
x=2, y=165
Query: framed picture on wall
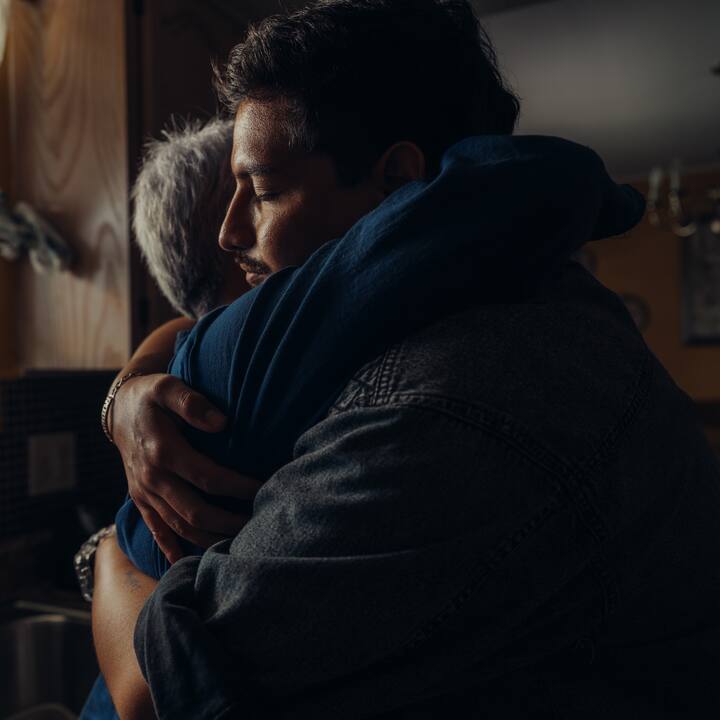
x=701, y=287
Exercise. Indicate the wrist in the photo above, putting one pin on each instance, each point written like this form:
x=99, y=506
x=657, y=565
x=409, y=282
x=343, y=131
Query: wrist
x=109, y=557
x=106, y=413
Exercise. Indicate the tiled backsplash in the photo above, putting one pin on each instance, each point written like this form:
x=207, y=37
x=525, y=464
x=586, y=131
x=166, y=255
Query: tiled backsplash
x=56, y=466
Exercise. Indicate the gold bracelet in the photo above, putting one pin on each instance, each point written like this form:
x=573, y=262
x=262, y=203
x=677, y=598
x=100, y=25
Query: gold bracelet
x=105, y=413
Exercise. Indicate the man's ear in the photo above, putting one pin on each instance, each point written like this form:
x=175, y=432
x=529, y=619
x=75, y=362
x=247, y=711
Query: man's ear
x=401, y=163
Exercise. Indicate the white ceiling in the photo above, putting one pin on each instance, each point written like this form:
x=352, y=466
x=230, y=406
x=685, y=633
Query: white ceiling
x=631, y=78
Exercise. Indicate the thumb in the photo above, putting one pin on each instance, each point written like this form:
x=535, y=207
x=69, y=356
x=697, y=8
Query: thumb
x=192, y=407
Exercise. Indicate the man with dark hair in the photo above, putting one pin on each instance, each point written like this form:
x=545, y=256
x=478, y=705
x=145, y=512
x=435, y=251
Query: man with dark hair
x=374, y=72
x=481, y=494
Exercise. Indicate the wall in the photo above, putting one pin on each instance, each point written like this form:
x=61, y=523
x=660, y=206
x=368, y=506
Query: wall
x=63, y=148
x=85, y=81
x=647, y=263
x=8, y=285
x=54, y=524
x=68, y=141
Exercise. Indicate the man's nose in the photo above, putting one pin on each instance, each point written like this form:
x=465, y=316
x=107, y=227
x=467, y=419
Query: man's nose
x=236, y=232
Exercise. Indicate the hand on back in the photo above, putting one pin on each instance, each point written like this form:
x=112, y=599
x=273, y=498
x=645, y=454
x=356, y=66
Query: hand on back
x=164, y=472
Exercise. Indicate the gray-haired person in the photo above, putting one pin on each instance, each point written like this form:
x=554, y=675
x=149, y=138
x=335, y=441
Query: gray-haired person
x=179, y=200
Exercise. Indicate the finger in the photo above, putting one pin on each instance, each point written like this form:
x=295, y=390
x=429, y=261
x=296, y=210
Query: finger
x=163, y=535
x=182, y=528
x=208, y=476
x=200, y=515
x=196, y=410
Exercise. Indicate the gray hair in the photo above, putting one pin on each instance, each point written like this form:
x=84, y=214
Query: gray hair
x=179, y=202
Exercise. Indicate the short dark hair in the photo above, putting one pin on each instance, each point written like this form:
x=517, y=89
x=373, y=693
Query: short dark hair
x=359, y=75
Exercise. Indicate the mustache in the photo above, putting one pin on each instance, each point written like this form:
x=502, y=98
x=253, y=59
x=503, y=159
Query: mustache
x=250, y=264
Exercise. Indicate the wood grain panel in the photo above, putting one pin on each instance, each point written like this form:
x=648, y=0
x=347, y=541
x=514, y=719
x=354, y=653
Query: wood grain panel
x=8, y=271
x=68, y=105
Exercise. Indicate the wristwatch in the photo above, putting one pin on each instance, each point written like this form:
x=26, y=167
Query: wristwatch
x=84, y=561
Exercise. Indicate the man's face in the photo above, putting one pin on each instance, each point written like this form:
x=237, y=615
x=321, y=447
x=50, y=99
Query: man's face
x=286, y=203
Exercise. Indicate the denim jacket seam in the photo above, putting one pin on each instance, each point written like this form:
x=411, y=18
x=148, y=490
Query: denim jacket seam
x=488, y=420
x=573, y=471
x=502, y=550
x=352, y=396
x=385, y=375
x=360, y=389
x=561, y=498
x=567, y=475
x=639, y=393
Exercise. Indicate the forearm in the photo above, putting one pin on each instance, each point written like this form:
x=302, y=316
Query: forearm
x=119, y=594
x=155, y=352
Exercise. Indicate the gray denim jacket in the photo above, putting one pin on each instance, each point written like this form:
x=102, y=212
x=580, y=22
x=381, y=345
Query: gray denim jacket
x=510, y=514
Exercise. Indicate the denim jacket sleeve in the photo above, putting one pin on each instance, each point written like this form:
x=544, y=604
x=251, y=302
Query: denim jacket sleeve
x=404, y=550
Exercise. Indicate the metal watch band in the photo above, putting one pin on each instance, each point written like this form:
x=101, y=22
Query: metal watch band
x=84, y=561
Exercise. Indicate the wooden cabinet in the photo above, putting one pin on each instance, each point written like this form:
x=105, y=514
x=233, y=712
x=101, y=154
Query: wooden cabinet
x=68, y=158
x=86, y=82
x=8, y=289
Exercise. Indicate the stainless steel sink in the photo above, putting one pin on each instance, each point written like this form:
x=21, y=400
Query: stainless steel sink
x=47, y=662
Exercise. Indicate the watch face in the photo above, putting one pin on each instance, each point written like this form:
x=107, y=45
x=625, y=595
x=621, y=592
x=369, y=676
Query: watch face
x=83, y=569
x=85, y=558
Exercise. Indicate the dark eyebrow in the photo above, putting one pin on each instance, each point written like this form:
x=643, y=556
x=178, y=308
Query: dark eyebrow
x=258, y=170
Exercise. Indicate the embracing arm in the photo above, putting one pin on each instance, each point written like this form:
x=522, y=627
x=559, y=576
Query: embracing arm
x=119, y=593
x=394, y=528
x=163, y=471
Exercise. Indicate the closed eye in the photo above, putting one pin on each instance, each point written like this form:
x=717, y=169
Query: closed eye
x=265, y=197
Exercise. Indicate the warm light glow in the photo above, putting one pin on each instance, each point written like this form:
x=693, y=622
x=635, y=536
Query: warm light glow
x=4, y=22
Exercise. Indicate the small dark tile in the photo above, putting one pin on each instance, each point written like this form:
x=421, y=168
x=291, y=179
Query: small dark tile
x=47, y=403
